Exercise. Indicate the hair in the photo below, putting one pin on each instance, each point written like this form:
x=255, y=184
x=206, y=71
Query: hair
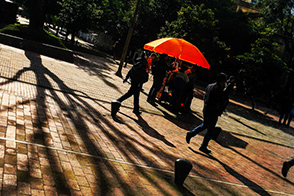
x=153, y=54
x=162, y=56
x=232, y=78
x=221, y=77
x=143, y=55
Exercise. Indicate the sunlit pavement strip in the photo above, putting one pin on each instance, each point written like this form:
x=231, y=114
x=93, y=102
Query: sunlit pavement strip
x=138, y=165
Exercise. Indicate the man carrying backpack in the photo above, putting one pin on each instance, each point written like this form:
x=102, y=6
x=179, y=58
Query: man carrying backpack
x=138, y=76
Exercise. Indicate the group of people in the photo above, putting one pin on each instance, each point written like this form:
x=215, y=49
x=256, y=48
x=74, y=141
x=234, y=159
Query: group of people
x=183, y=78
x=215, y=100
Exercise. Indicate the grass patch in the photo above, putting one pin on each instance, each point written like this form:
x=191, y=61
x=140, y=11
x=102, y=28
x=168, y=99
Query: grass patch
x=42, y=36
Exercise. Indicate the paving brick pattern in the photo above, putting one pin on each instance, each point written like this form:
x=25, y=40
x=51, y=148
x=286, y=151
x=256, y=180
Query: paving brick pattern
x=57, y=137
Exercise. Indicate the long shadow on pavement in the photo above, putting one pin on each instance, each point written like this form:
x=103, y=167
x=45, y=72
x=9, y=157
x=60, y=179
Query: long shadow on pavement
x=250, y=184
x=255, y=116
x=72, y=103
x=80, y=112
x=92, y=68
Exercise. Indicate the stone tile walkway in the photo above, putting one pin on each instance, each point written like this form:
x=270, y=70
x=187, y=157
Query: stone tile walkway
x=57, y=137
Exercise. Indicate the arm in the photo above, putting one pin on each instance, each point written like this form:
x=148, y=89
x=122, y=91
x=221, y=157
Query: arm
x=128, y=75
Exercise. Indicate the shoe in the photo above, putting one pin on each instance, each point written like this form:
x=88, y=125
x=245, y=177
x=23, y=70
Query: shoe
x=137, y=113
x=205, y=150
x=188, y=137
x=285, y=169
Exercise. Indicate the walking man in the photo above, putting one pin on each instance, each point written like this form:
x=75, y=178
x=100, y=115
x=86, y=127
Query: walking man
x=214, y=105
x=138, y=77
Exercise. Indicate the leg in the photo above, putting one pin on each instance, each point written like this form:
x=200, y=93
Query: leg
x=136, y=100
x=211, y=122
x=195, y=131
x=281, y=117
x=289, y=120
x=127, y=94
x=115, y=105
x=285, y=118
x=154, y=89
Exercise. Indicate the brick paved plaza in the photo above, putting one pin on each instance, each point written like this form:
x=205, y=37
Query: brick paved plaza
x=57, y=137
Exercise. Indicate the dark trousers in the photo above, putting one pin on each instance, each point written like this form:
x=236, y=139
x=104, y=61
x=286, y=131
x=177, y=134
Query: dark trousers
x=134, y=90
x=157, y=82
x=177, y=98
x=209, y=122
x=291, y=162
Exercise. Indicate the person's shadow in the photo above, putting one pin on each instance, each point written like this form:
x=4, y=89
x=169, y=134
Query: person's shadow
x=152, y=132
x=227, y=139
x=250, y=184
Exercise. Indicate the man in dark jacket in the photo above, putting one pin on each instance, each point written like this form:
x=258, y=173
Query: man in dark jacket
x=214, y=105
x=138, y=76
x=159, y=72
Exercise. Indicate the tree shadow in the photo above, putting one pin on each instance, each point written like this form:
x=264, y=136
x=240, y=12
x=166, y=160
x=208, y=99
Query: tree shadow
x=100, y=70
x=255, y=116
x=185, y=121
x=252, y=128
x=250, y=184
x=73, y=103
x=152, y=132
x=72, y=116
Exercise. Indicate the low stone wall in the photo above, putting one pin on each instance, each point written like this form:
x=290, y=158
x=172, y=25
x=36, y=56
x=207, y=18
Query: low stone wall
x=44, y=49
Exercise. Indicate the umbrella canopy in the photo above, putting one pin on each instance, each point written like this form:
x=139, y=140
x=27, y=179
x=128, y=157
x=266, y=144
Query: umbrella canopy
x=178, y=48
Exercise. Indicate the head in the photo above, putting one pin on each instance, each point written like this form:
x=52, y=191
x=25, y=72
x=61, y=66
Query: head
x=153, y=56
x=232, y=79
x=163, y=56
x=221, y=79
x=143, y=55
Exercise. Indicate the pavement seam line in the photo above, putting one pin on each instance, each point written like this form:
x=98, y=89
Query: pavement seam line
x=136, y=165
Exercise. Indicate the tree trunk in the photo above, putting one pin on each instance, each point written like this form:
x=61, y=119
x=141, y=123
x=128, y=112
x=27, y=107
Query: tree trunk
x=73, y=37
x=37, y=14
x=57, y=31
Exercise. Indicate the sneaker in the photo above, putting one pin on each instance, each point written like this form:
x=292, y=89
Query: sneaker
x=188, y=137
x=285, y=169
x=205, y=150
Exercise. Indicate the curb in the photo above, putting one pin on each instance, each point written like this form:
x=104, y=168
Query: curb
x=41, y=48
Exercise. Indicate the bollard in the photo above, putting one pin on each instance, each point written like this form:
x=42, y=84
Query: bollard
x=115, y=105
x=182, y=169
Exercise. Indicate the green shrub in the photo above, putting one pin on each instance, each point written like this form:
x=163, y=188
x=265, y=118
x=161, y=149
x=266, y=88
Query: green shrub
x=23, y=31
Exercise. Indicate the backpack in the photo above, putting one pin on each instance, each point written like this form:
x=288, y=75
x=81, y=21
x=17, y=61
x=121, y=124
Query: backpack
x=138, y=73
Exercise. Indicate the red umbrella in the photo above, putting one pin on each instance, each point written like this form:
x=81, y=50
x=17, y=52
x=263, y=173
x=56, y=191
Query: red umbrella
x=178, y=48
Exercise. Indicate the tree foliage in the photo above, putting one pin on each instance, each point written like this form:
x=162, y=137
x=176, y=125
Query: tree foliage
x=37, y=10
x=262, y=68
x=198, y=25
x=77, y=15
x=278, y=15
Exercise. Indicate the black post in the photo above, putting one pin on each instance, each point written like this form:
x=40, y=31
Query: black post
x=182, y=169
